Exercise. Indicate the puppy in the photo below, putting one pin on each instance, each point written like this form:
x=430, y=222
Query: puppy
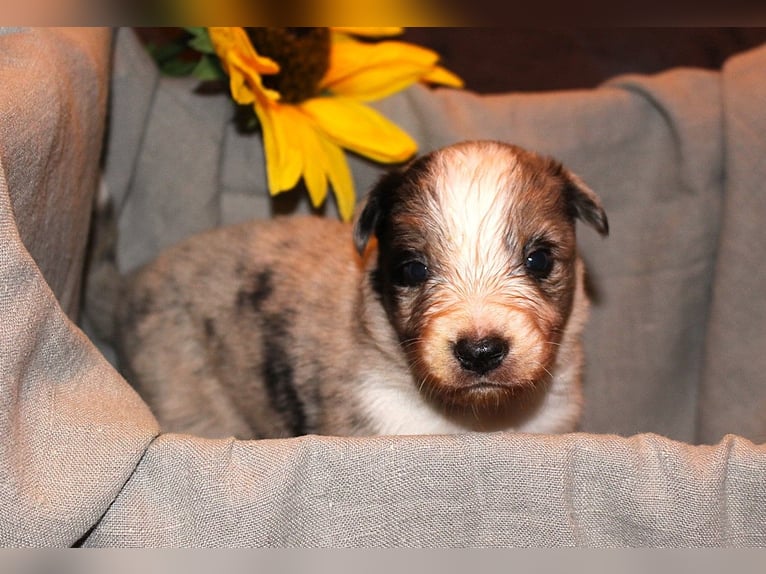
x=454, y=304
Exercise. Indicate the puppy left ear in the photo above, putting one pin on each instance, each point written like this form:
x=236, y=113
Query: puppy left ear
x=584, y=203
x=366, y=221
x=368, y=215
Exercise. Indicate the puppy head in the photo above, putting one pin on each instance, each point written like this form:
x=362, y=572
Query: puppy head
x=476, y=266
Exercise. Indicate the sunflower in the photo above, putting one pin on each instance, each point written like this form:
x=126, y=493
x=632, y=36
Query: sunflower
x=309, y=87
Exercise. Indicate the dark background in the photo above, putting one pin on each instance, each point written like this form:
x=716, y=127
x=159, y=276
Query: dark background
x=493, y=60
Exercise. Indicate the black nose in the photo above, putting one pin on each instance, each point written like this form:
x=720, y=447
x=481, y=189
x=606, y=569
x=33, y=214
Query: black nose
x=481, y=355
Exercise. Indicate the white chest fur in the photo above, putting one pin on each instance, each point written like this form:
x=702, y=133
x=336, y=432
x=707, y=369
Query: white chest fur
x=394, y=406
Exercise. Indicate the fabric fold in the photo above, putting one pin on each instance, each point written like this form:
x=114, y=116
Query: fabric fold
x=677, y=160
x=72, y=430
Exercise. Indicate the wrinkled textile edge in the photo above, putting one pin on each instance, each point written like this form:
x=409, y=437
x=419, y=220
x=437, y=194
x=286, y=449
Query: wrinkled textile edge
x=73, y=430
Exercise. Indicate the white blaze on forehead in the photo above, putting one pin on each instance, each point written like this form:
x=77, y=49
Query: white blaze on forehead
x=474, y=189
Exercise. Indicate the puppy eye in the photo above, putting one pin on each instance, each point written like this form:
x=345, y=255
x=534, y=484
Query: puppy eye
x=412, y=273
x=539, y=263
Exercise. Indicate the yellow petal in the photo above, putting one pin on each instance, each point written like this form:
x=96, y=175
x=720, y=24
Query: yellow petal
x=246, y=87
x=283, y=158
x=444, y=77
x=294, y=147
x=227, y=40
x=322, y=160
x=359, y=128
x=337, y=169
x=312, y=155
x=373, y=71
x=243, y=64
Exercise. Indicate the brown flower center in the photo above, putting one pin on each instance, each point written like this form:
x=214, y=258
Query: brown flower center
x=303, y=55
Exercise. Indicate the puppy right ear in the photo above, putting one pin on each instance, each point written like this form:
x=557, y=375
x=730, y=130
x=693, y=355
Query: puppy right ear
x=369, y=214
x=585, y=204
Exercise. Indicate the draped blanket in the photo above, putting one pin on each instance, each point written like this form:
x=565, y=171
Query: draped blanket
x=670, y=451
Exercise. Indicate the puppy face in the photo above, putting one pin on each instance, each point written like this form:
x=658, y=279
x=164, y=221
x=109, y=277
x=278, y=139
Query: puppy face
x=476, y=266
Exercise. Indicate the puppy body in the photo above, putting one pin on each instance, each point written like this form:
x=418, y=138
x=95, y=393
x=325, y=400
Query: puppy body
x=455, y=304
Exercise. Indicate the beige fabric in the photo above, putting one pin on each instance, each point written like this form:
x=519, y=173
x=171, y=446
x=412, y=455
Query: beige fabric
x=445, y=491
x=676, y=159
x=72, y=431
x=733, y=390
x=52, y=105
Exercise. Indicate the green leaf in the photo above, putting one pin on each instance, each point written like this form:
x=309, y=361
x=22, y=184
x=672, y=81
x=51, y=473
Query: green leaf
x=200, y=40
x=170, y=59
x=177, y=67
x=207, y=69
x=164, y=52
